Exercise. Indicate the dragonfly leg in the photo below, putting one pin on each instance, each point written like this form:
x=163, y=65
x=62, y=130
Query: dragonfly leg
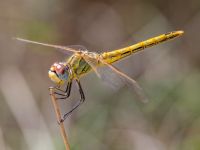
x=65, y=94
x=82, y=99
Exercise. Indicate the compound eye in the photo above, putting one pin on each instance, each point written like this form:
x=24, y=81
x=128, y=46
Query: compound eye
x=60, y=68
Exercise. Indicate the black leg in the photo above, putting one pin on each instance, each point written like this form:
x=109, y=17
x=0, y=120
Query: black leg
x=82, y=99
x=65, y=94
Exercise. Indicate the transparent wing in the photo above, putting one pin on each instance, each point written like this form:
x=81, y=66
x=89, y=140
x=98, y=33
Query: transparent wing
x=64, y=49
x=93, y=62
x=114, y=76
x=77, y=47
x=110, y=78
x=129, y=81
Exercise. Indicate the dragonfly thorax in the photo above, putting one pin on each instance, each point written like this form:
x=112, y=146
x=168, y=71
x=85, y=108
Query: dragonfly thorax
x=59, y=72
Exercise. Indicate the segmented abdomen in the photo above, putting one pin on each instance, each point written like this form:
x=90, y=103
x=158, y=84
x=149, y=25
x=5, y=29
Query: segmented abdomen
x=116, y=55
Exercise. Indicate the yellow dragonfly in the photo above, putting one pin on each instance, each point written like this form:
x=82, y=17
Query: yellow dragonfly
x=82, y=61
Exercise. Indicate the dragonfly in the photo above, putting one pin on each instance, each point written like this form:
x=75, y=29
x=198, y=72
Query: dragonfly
x=83, y=61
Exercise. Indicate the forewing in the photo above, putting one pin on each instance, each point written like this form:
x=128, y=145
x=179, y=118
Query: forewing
x=93, y=62
x=63, y=49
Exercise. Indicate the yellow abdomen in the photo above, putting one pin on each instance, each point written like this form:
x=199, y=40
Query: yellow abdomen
x=116, y=55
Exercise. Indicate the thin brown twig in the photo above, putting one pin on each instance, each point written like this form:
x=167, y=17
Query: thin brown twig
x=58, y=116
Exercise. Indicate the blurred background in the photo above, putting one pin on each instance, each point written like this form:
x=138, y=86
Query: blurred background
x=109, y=119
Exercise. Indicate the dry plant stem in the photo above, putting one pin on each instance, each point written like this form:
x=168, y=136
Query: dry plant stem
x=58, y=116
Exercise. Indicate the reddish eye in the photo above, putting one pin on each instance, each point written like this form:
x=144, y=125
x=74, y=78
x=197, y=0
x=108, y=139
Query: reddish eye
x=60, y=69
x=58, y=66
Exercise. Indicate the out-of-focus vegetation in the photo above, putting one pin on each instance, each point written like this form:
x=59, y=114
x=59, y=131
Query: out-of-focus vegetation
x=109, y=119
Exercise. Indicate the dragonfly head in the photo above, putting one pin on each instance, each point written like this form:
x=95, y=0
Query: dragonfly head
x=59, y=72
